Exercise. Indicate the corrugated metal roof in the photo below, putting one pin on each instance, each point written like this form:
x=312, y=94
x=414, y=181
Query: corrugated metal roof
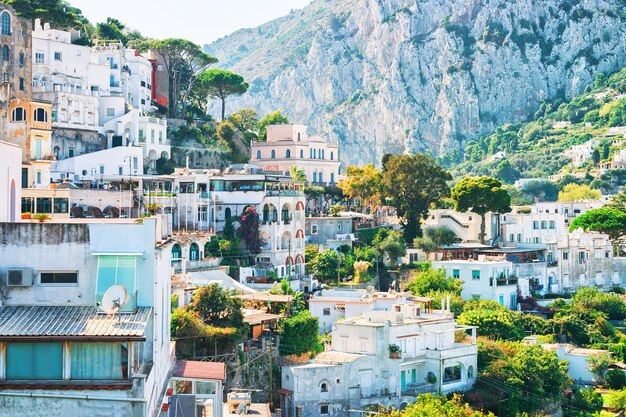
x=70, y=323
x=199, y=370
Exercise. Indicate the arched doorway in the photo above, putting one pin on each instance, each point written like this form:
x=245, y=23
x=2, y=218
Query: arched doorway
x=194, y=252
x=177, y=252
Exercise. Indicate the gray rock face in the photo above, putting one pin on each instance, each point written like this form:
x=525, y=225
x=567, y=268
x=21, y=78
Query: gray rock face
x=400, y=76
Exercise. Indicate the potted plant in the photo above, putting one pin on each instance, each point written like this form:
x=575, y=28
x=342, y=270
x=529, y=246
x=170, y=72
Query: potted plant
x=431, y=378
x=41, y=217
x=394, y=351
x=26, y=215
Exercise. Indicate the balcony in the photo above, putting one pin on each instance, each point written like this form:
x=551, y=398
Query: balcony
x=416, y=389
x=512, y=280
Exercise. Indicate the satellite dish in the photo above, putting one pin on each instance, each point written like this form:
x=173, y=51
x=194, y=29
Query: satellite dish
x=113, y=299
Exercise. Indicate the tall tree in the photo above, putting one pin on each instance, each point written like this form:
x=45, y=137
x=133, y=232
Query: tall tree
x=481, y=195
x=274, y=118
x=216, y=307
x=58, y=13
x=249, y=231
x=184, y=61
x=414, y=182
x=246, y=120
x=362, y=184
x=221, y=84
x=574, y=192
x=607, y=220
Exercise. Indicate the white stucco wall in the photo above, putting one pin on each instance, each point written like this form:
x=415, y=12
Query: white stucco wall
x=10, y=181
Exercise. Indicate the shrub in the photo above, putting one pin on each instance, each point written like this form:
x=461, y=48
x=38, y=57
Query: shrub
x=616, y=379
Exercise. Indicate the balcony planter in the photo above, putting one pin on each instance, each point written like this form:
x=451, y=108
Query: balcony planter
x=26, y=216
x=41, y=217
x=394, y=351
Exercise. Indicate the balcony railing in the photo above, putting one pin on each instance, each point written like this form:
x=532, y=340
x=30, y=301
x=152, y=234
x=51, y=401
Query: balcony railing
x=415, y=389
x=505, y=281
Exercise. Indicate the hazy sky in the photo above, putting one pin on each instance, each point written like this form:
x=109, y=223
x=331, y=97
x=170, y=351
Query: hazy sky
x=201, y=21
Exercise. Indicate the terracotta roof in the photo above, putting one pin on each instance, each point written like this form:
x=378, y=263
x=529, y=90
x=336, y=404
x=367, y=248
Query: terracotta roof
x=70, y=323
x=199, y=370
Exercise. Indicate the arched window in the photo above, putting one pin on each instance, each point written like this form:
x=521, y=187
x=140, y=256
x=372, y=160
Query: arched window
x=57, y=150
x=176, y=251
x=258, y=154
x=288, y=153
x=314, y=177
x=194, y=252
x=332, y=177
x=332, y=155
x=310, y=153
x=273, y=154
x=314, y=153
x=6, y=55
x=321, y=177
x=40, y=115
x=470, y=372
x=321, y=153
x=301, y=153
x=6, y=23
x=324, y=387
x=18, y=114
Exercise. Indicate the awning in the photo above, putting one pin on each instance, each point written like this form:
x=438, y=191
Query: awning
x=199, y=370
x=67, y=323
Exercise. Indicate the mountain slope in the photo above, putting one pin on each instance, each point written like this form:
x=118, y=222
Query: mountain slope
x=422, y=75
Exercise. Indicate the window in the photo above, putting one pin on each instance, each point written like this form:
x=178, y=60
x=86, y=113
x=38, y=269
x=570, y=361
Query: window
x=501, y=300
x=59, y=278
x=117, y=270
x=324, y=387
x=100, y=360
x=186, y=187
x=28, y=204
x=332, y=177
x=456, y=274
x=301, y=153
x=332, y=155
x=535, y=225
x=18, y=114
x=326, y=312
x=273, y=154
x=70, y=152
x=313, y=229
x=321, y=177
x=536, y=240
x=58, y=56
x=160, y=136
x=142, y=137
x=544, y=224
x=338, y=226
x=6, y=23
x=34, y=361
x=258, y=154
x=21, y=84
x=6, y=55
x=324, y=409
x=470, y=372
x=39, y=57
x=288, y=153
x=452, y=374
x=41, y=115
x=120, y=170
x=61, y=205
x=475, y=274
x=552, y=224
x=581, y=257
x=44, y=204
x=363, y=346
x=519, y=238
x=565, y=255
x=38, y=177
x=101, y=169
x=135, y=163
x=110, y=112
x=152, y=136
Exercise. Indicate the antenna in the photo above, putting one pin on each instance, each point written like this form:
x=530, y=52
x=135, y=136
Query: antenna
x=113, y=300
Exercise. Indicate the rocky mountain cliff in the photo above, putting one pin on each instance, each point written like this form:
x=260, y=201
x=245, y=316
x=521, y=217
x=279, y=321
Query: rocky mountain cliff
x=422, y=75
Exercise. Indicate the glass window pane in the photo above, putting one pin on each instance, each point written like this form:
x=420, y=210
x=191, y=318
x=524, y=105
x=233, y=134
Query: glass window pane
x=60, y=205
x=205, y=387
x=96, y=361
x=34, y=361
x=107, y=267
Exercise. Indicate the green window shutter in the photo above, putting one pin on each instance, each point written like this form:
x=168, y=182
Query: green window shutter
x=34, y=361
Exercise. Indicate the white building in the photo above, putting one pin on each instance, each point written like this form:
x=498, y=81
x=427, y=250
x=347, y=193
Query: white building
x=114, y=163
x=360, y=368
x=332, y=305
x=485, y=279
x=66, y=75
x=578, y=361
x=54, y=276
x=466, y=226
x=10, y=181
x=289, y=145
x=582, y=153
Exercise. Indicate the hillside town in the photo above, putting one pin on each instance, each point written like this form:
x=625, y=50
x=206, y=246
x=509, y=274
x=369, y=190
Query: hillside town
x=158, y=260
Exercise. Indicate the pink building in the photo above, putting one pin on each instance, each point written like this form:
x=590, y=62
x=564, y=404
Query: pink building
x=289, y=145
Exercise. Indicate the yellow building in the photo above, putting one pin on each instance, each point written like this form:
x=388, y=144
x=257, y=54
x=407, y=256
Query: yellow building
x=53, y=202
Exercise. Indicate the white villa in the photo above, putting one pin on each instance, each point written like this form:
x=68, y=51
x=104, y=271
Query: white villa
x=360, y=369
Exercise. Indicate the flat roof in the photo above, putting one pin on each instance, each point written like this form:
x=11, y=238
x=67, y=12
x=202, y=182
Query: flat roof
x=85, y=323
x=265, y=296
x=335, y=357
x=199, y=370
x=511, y=250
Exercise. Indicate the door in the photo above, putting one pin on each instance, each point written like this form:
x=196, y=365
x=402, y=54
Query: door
x=402, y=380
x=413, y=376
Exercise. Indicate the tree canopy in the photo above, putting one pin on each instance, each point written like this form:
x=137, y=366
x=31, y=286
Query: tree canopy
x=481, y=195
x=221, y=84
x=362, y=183
x=274, y=118
x=430, y=280
x=217, y=308
x=429, y=405
x=414, y=182
x=604, y=219
x=575, y=192
x=299, y=334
